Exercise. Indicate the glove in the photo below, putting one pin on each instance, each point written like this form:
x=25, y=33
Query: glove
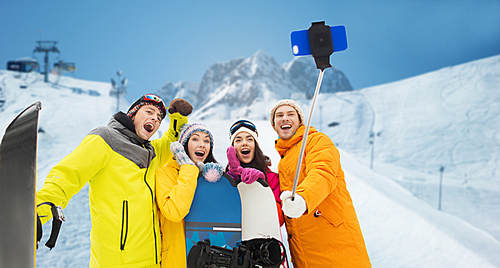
x=295, y=208
x=249, y=175
x=180, y=106
x=211, y=171
x=233, y=161
x=180, y=155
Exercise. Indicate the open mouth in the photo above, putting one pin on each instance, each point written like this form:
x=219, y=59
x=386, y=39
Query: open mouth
x=245, y=151
x=199, y=153
x=149, y=127
x=286, y=126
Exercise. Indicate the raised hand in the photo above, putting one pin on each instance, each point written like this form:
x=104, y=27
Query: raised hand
x=180, y=106
x=233, y=161
x=180, y=155
x=248, y=175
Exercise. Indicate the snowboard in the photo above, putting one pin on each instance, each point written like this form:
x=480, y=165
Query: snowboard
x=231, y=212
x=215, y=214
x=17, y=190
x=259, y=218
x=259, y=215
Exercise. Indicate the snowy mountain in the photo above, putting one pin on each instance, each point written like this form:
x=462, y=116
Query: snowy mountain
x=184, y=90
x=447, y=118
x=238, y=88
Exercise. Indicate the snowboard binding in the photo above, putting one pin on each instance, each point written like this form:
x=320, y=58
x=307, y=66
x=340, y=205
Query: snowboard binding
x=57, y=220
x=257, y=252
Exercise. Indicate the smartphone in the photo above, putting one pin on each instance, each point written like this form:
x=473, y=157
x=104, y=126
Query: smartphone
x=300, y=41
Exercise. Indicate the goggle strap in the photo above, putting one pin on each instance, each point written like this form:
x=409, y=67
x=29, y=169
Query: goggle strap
x=238, y=124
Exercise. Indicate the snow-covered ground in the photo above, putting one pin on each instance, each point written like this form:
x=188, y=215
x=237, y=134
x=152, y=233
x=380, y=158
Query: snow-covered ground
x=449, y=118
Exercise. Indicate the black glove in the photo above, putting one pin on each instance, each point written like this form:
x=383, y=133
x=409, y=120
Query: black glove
x=180, y=106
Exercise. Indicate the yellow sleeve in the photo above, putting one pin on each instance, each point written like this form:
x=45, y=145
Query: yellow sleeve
x=175, y=188
x=70, y=175
x=162, y=145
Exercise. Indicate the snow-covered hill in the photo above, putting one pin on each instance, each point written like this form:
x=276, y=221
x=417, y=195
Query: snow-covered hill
x=447, y=118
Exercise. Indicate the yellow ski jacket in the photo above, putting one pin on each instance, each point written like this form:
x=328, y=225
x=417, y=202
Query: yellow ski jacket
x=328, y=234
x=120, y=169
x=175, y=188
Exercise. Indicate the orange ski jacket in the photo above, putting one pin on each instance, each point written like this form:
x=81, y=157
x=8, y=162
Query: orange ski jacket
x=328, y=234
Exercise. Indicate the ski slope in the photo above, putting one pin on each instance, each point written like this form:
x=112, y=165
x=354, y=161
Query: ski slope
x=454, y=111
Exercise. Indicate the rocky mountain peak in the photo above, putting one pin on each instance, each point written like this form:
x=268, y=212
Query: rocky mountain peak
x=241, y=83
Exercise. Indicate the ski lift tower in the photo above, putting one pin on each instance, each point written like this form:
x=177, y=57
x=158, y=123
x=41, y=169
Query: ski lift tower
x=118, y=90
x=46, y=47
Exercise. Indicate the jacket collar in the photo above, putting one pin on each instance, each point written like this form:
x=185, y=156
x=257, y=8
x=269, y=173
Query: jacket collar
x=124, y=124
x=284, y=145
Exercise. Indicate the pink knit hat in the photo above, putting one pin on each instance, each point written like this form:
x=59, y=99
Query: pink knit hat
x=291, y=103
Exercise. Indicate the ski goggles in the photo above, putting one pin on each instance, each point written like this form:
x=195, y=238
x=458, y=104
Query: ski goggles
x=148, y=98
x=242, y=123
x=154, y=98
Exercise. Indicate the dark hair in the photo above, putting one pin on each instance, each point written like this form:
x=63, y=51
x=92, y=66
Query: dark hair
x=258, y=161
x=210, y=157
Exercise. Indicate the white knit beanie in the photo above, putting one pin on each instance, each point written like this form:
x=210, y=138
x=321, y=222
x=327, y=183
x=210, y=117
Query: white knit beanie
x=288, y=102
x=254, y=134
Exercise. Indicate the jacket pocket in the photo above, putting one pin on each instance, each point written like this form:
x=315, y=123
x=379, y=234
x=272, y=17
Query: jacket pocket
x=326, y=210
x=124, y=229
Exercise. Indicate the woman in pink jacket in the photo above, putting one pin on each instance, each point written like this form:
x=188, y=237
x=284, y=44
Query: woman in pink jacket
x=245, y=152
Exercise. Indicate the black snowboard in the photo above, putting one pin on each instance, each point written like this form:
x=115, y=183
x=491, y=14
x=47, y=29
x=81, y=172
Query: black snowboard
x=17, y=190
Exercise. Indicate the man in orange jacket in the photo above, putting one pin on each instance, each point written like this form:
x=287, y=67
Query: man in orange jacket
x=322, y=226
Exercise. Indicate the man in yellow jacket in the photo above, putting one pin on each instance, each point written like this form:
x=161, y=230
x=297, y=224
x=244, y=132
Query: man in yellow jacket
x=119, y=163
x=322, y=226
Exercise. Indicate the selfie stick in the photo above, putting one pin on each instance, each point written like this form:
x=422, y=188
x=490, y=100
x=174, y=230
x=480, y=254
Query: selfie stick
x=306, y=133
x=321, y=47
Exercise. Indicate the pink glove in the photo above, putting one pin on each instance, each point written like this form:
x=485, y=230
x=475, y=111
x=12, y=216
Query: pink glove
x=233, y=161
x=248, y=175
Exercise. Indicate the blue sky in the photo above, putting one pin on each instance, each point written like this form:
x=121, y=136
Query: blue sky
x=153, y=42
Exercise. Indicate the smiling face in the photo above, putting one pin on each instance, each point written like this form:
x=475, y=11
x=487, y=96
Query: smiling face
x=244, y=144
x=198, y=146
x=147, y=120
x=286, y=121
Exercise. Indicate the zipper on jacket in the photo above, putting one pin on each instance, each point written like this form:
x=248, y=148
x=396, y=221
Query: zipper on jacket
x=153, y=207
x=124, y=232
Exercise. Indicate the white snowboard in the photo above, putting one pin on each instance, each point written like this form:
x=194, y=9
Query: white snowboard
x=259, y=215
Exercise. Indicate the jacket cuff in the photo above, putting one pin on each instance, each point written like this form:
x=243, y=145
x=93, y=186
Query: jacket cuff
x=176, y=122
